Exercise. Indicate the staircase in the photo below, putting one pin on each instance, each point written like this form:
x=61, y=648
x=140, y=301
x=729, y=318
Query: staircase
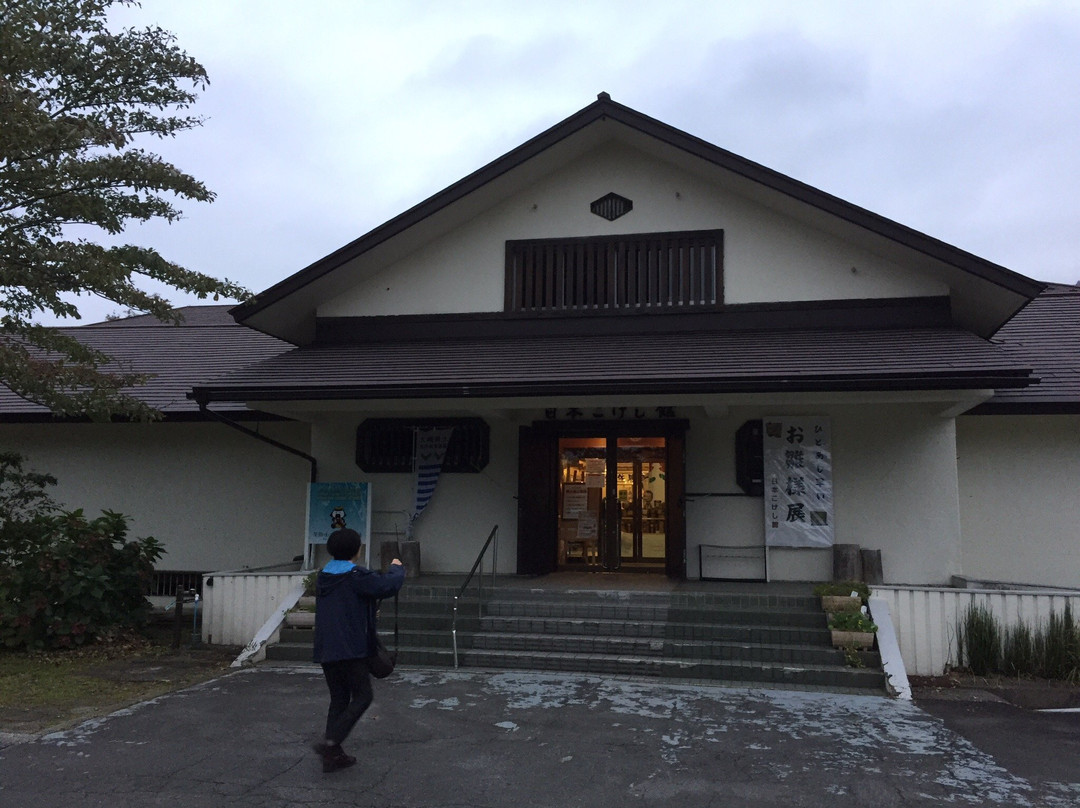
x=719, y=636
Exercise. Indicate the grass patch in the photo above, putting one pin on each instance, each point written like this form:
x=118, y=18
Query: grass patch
x=51, y=690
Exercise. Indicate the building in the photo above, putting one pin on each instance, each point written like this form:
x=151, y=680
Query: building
x=631, y=331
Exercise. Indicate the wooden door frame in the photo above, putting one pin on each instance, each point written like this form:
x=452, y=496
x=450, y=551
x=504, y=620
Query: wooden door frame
x=538, y=495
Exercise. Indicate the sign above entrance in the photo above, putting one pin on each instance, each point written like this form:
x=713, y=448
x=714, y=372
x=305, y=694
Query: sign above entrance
x=607, y=413
x=798, y=482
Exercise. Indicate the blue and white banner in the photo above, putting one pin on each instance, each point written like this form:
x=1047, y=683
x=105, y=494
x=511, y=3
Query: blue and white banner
x=427, y=463
x=798, y=482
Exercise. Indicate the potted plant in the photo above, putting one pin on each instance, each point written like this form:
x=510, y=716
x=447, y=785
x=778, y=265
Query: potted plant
x=852, y=629
x=842, y=596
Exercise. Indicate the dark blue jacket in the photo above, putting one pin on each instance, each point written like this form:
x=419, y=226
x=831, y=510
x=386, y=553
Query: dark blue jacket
x=345, y=607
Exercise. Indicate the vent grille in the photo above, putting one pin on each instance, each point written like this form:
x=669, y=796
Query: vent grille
x=611, y=207
x=385, y=445
x=653, y=271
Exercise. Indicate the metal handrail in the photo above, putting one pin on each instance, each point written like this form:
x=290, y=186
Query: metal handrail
x=477, y=565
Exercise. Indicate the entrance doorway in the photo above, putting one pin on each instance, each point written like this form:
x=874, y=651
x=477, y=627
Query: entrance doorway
x=629, y=533
x=602, y=497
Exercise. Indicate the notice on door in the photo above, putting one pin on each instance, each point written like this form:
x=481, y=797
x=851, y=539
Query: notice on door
x=575, y=501
x=588, y=526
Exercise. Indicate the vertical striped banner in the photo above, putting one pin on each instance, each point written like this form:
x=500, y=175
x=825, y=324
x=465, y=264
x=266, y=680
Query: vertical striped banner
x=427, y=464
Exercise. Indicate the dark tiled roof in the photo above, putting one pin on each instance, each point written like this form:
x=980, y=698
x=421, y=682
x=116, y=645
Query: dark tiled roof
x=729, y=361
x=1046, y=335
x=207, y=344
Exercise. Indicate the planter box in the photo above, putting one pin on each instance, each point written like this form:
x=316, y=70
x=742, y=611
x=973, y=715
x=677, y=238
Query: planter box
x=840, y=603
x=860, y=639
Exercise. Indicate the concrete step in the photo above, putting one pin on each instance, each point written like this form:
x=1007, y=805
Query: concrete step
x=756, y=639
x=671, y=649
x=833, y=676
x=814, y=618
x=660, y=630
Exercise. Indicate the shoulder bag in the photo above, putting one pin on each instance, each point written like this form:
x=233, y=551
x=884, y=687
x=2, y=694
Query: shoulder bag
x=381, y=663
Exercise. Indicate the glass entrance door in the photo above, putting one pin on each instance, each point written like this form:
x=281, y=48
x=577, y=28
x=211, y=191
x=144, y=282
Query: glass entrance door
x=612, y=503
x=641, y=481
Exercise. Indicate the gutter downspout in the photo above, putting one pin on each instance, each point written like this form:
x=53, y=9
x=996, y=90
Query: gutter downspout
x=205, y=410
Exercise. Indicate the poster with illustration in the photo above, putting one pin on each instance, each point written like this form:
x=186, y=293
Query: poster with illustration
x=332, y=506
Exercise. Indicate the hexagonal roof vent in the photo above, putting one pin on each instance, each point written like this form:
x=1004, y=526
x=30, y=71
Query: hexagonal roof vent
x=612, y=206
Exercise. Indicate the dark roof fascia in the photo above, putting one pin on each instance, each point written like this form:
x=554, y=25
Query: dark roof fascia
x=945, y=380
x=602, y=108
x=877, y=313
x=1032, y=408
x=192, y=416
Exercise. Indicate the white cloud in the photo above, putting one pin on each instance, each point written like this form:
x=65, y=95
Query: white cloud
x=327, y=118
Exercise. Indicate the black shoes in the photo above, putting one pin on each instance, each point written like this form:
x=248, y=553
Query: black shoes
x=333, y=757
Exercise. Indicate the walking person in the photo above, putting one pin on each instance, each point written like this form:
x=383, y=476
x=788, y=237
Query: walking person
x=347, y=597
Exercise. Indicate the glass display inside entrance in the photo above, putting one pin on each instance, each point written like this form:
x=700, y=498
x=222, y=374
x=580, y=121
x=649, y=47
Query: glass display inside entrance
x=612, y=503
x=641, y=490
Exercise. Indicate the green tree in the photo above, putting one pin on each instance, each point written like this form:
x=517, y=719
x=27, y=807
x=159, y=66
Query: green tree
x=77, y=101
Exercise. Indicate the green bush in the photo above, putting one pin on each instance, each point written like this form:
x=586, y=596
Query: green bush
x=22, y=493
x=1062, y=647
x=1051, y=651
x=980, y=640
x=851, y=621
x=843, y=588
x=1020, y=650
x=65, y=580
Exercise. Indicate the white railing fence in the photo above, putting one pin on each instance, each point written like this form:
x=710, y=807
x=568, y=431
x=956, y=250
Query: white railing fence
x=237, y=604
x=926, y=617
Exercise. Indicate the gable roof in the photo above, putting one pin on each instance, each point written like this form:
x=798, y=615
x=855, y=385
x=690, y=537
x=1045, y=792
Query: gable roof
x=287, y=309
x=1046, y=335
x=207, y=344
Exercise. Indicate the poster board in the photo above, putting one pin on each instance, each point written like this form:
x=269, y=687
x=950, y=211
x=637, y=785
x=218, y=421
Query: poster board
x=336, y=505
x=797, y=453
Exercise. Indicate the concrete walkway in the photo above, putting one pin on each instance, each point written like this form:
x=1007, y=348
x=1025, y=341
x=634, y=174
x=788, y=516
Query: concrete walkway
x=437, y=739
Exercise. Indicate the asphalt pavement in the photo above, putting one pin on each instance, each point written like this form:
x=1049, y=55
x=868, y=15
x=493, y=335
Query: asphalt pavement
x=444, y=739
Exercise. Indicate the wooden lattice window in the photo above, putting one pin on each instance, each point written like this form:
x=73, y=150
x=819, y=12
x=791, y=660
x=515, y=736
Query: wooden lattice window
x=385, y=445
x=652, y=271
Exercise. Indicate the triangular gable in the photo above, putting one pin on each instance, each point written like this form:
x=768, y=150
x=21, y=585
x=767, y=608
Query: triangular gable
x=983, y=294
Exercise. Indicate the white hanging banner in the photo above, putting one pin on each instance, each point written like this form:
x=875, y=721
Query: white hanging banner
x=797, y=455
x=431, y=447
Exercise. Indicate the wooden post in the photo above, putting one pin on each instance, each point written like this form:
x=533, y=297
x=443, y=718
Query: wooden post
x=847, y=563
x=178, y=616
x=871, y=566
x=410, y=557
x=387, y=553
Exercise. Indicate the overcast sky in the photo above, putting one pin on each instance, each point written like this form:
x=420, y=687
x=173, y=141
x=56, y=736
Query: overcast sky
x=325, y=118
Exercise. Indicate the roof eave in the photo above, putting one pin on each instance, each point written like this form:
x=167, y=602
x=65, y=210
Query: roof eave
x=1005, y=379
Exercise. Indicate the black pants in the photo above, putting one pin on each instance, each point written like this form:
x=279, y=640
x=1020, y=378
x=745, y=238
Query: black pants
x=350, y=695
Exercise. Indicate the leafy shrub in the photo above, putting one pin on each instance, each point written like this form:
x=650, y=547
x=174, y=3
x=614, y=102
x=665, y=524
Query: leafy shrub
x=851, y=621
x=1051, y=650
x=64, y=579
x=22, y=493
x=843, y=588
x=1020, y=650
x=980, y=640
x=1062, y=647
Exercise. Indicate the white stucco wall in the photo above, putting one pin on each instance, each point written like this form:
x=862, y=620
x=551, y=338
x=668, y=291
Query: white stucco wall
x=894, y=489
x=1019, y=509
x=768, y=256
x=216, y=499
x=462, y=512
